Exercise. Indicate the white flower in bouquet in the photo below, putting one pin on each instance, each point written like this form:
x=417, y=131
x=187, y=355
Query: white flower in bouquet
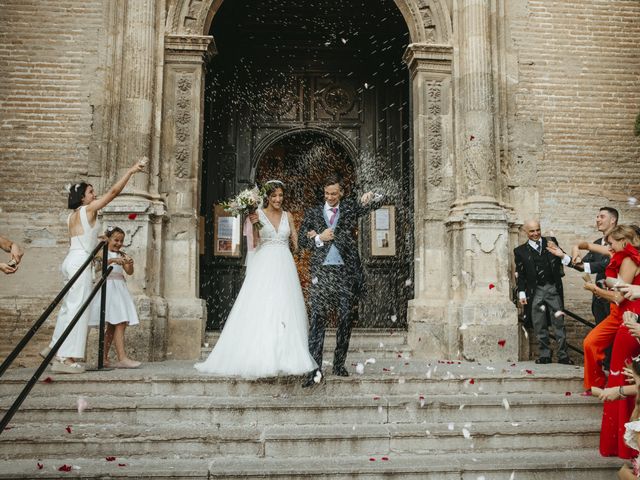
x=245, y=203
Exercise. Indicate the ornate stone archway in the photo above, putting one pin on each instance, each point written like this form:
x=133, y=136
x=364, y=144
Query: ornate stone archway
x=461, y=226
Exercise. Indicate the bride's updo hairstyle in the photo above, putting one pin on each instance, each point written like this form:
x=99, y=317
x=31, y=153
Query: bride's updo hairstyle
x=76, y=192
x=269, y=187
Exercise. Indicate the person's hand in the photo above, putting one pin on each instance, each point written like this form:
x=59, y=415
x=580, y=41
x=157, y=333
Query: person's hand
x=575, y=255
x=139, y=165
x=7, y=269
x=253, y=218
x=311, y=234
x=634, y=328
x=127, y=260
x=326, y=235
x=590, y=286
x=632, y=377
x=631, y=292
x=555, y=250
x=523, y=301
x=609, y=394
x=16, y=253
x=366, y=198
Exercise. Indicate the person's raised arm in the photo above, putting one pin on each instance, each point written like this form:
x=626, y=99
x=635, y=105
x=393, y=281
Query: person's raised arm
x=115, y=190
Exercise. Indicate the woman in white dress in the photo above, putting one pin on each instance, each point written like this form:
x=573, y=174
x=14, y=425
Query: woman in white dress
x=265, y=334
x=83, y=235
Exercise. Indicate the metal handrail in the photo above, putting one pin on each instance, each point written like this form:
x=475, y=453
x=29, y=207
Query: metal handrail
x=579, y=318
x=45, y=363
x=36, y=326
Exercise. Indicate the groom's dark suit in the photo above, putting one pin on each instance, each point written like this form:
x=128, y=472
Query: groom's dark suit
x=333, y=286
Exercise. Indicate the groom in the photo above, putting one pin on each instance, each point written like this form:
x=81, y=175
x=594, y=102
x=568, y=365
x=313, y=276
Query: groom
x=336, y=272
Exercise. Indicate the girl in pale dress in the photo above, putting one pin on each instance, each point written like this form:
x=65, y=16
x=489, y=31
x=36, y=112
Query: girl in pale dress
x=83, y=235
x=120, y=311
x=265, y=334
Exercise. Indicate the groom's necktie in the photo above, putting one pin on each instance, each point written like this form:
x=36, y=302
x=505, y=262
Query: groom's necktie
x=332, y=219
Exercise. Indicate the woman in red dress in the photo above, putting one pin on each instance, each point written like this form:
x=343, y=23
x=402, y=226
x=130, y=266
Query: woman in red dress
x=625, y=265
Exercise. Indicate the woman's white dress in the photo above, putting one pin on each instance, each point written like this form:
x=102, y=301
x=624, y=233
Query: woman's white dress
x=266, y=332
x=119, y=306
x=79, y=250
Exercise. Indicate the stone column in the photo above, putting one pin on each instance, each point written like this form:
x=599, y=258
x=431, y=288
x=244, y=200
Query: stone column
x=430, y=70
x=136, y=210
x=181, y=147
x=478, y=232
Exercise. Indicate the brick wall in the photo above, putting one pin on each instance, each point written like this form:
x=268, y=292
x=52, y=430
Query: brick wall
x=578, y=79
x=48, y=75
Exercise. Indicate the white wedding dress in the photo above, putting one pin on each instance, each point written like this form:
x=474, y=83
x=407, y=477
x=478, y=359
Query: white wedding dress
x=265, y=334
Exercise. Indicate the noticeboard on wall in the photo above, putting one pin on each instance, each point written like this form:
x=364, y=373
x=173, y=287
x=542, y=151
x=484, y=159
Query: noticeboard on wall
x=383, y=231
x=226, y=234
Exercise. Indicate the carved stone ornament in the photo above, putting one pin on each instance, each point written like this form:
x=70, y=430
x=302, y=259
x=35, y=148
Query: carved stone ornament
x=338, y=99
x=434, y=134
x=183, y=126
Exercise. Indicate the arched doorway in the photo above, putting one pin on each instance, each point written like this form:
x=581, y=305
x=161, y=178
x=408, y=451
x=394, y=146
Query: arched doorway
x=339, y=71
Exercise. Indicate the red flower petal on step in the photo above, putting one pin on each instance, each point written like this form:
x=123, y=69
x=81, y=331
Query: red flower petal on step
x=567, y=394
x=47, y=380
x=376, y=397
x=530, y=372
x=372, y=459
x=385, y=369
x=132, y=216
x=122, y=464
x=68, y=428
x=8, y=427
x=472, y=381
x=110, y=459
x=40, y=465
x=384, y=459
x=472, y=137
x=65, y=468
x=421, y=397
x=491, y=286
x=406, y=363
x=502, y=343
x=513, y=364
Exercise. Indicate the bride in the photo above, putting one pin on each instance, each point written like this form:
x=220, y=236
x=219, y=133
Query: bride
x=266, y=332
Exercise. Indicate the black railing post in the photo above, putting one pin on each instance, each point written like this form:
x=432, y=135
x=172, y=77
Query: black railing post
x=45, y=363
x=36, y=326
x=103, y=300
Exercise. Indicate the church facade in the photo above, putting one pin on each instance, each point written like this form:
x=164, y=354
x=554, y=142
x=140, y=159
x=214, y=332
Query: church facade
x=471, y=115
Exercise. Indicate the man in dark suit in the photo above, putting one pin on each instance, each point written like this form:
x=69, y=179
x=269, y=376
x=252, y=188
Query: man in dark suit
x=539, y=278
x=336, y=272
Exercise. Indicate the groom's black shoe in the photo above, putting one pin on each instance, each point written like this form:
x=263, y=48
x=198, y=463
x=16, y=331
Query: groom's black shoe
x=340, y=371
x=311, y=379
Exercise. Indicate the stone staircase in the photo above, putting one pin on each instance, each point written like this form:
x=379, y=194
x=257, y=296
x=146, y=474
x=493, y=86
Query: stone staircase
x=401, y=418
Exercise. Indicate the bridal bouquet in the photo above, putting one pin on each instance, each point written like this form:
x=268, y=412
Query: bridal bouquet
x=246, y=202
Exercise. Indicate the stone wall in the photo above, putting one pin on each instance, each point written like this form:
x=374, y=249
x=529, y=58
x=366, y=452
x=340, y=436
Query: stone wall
x=49, y=77
x=574, y=93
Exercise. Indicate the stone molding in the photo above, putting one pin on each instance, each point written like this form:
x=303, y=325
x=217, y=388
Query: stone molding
x=189, y=48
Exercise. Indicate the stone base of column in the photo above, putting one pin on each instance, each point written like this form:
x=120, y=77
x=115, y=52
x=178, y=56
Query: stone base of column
x=488, y=331
x=185, y=328
x=144, y=342
x=429, y=334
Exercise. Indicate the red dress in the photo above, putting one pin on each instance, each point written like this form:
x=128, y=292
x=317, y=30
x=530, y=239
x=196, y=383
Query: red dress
x=625, y=346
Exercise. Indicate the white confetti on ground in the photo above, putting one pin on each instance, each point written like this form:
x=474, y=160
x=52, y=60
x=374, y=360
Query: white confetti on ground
x=380, y=409
x=513, y=475
x=461, y=407
x=632, y=201
x=360, y=368
x=381, y=345
x=317, y=377
x=505, y=404
x=451, y=426
x=370, y=360
x=515, y=424
x=466, y=433
x=464, y=326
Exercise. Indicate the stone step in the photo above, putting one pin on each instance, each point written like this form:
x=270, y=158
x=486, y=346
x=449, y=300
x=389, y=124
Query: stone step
x=533, y=465
x=312, y=409
x=368, y=343
x=304, y=441
x=389, y=377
